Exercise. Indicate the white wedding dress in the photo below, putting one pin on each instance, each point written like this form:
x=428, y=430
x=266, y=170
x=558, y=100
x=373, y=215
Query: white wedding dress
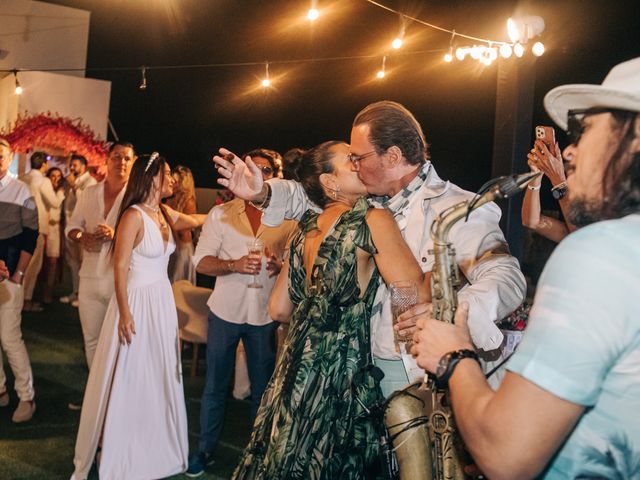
x=134, y=401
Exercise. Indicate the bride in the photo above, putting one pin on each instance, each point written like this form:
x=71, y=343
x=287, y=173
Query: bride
x=133, y=413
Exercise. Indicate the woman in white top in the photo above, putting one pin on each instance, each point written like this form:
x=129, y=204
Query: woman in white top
x=52, y=246
x=134, y=401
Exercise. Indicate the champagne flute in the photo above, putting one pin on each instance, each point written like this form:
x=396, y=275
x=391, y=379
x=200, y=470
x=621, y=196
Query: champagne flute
x=256, y=249
x=404, y=295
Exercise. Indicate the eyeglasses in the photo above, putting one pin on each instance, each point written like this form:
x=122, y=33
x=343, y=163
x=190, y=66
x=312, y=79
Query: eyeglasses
x=267, y=170
x=575, y=121
x=355, y=159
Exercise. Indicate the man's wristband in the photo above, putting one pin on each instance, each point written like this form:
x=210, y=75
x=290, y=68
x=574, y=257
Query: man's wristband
x=79, y=235
x=20, y=272
x=534, y=187
x=231, y=266
x=265, y=203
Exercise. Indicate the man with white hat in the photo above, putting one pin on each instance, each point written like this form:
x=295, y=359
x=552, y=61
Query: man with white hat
x=569, y=404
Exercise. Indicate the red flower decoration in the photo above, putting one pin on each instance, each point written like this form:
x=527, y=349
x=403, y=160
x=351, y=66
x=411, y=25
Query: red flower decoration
x=56, y=132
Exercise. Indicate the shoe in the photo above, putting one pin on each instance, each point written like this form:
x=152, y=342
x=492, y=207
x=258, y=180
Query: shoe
x=24, y=412
x=197, y=464
x=32, y=307
x=75, y=405
x=75, y=303
x=69, y=298
x=4, y=399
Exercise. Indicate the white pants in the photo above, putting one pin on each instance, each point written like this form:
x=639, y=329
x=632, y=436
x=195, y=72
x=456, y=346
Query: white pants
x=33, y=270
x=11, y=300
x=94, y=295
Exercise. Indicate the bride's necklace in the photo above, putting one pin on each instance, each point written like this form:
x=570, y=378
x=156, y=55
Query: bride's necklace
x=152, y=208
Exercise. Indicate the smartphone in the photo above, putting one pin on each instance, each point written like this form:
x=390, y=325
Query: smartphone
x=548, y=136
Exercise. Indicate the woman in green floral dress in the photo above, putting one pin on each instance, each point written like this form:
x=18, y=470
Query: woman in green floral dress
x=313, y=421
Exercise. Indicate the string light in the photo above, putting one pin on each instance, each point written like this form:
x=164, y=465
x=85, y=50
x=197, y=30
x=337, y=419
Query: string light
x=313, y=12
x=518, y=50
x=18, y=89
x=537, y=49
x=448, y=57
x=266, y=82
x=143, y=81
x=506, y=50
x=381, y=72
x=399, y=40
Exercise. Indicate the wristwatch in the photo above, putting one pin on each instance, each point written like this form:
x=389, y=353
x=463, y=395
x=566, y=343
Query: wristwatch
x=559, y=191
x=449, y=361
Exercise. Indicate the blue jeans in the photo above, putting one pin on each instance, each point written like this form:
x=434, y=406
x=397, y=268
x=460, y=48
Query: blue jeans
x=222, y=342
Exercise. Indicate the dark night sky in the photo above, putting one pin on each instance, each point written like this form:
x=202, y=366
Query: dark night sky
x=188, y=114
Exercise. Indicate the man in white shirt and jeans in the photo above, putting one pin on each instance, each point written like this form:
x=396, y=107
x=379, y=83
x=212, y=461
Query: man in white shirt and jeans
x=389, y=152
x=237, y=311
x=92, y=226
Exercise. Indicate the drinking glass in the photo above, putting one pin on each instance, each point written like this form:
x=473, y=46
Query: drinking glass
x=404, y=295
x=256, y=249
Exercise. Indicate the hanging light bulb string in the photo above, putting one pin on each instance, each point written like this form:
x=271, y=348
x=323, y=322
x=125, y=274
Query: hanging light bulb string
x=431, y=25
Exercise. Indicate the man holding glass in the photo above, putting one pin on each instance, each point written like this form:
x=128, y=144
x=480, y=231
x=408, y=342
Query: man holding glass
x=229, y=246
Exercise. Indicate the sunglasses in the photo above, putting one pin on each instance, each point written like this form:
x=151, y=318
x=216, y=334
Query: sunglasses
x=575, y=121
x=267, y=170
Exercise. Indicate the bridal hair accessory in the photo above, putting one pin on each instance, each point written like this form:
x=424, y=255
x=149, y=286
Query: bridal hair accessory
x=153, y=156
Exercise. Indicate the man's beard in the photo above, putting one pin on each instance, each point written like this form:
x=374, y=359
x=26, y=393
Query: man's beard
x=584, y=212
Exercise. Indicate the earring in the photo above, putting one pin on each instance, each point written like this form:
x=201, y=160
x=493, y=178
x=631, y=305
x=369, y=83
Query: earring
x=335, y=194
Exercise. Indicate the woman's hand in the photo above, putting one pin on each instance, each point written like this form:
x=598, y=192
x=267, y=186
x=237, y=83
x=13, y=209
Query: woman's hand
x=126, y=328
x=243, y=179
x=274, y=264
x=434, y=338
x=545, y=161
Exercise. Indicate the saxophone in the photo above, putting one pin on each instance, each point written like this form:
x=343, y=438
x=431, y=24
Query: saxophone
x=419, y=418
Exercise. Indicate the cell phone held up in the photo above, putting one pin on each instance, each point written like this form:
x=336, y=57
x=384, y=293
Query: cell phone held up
x=548, y=136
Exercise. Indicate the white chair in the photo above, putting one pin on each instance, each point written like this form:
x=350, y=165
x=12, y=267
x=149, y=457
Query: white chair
x=191, y=305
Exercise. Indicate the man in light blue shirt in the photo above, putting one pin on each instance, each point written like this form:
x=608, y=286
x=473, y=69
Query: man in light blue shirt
x=569, y=406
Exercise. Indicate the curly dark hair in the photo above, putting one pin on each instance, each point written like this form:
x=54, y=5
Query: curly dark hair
x=313, y=163
x=621, y=178
x=391, y=124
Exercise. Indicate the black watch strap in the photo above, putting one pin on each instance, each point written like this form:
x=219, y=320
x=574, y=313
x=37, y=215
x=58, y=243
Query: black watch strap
x=450, y=361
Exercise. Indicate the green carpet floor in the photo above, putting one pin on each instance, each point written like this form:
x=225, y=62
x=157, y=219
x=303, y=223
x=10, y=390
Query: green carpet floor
x=43, y=448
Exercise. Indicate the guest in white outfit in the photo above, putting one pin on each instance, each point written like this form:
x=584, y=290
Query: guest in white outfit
x=92, y=225
x=45, y=197
x=52, y=247
x=134, y=403
x=183, y=201
x=76, y=181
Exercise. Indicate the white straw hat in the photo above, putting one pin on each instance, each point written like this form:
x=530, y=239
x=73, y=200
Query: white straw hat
x=619, y=90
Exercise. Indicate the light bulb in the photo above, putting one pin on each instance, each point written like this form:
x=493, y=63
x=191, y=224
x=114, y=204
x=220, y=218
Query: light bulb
x=460, y=53
x=397, y=43
x=313, y=14
x=476, y=51
x=18, y=90
x=448, y=57
x=493, y=53
x=518, y=50
x=537, y=49
x=380, y=74
x=506, y=50
x=266, y=82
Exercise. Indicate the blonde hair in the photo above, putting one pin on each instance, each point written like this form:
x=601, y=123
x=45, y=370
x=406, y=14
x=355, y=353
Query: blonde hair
x=184, y=189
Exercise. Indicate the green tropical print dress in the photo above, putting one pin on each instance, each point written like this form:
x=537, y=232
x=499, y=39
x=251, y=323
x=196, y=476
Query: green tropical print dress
x=309, y=424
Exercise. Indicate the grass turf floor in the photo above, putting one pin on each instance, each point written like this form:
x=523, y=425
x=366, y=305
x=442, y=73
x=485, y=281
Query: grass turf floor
x=43, y=447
